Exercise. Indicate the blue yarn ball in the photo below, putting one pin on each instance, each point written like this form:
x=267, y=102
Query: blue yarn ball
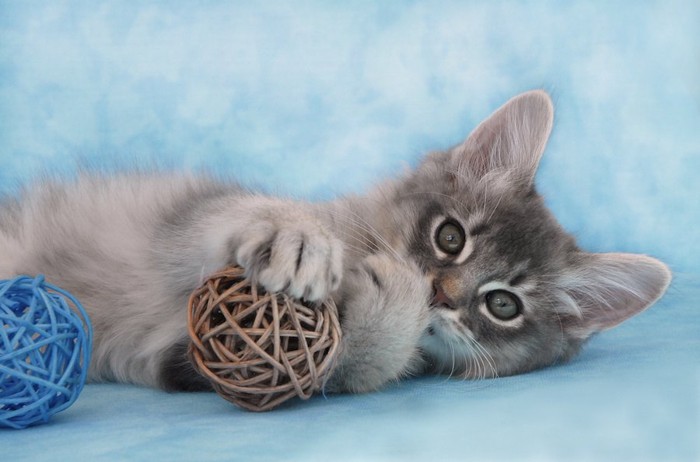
x=45, y=346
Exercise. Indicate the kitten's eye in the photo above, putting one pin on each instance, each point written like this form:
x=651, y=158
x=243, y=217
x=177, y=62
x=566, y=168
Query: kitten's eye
x=503, y=305
x=450, y=238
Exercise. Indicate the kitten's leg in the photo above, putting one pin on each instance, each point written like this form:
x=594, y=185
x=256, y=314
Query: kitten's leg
x=384, y=312
x=283, y=245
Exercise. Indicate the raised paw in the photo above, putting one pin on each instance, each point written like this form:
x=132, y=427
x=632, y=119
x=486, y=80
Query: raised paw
x=299, y=257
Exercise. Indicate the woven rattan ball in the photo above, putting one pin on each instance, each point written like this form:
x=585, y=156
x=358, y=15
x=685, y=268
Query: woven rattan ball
x=259, y=349
x=45, y=347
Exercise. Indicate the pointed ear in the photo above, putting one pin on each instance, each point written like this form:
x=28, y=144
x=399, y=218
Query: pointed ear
x=511, y=141
x=610, y=288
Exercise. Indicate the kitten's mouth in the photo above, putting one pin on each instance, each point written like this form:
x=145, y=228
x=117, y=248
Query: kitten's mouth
x=443, y=309
x=436, y=327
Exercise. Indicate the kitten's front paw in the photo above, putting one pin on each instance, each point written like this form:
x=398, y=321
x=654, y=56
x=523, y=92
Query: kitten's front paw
x=300, y=257
x=385, y=311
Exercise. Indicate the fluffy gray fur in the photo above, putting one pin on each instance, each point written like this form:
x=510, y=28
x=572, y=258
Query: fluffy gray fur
x=132, y=247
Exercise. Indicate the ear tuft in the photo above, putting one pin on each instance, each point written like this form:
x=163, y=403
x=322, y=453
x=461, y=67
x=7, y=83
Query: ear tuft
x=611, y=288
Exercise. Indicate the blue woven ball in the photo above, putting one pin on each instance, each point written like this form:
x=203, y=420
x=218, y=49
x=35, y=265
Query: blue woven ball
x=45, y=346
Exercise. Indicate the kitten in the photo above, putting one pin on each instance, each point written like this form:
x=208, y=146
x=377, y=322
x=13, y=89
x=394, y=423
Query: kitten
x=455, y=268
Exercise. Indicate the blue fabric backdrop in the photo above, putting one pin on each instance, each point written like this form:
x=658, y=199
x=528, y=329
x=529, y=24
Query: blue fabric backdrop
x=315, y=99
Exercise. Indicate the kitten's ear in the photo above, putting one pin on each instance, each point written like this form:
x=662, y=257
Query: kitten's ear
x=511, y=140
x=610, y=288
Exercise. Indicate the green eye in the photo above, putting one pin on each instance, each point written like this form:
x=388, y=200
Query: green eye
x=503, y=305
x=450, y=238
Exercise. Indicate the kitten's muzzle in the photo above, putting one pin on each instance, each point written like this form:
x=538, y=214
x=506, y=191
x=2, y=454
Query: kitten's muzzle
x=440, y=299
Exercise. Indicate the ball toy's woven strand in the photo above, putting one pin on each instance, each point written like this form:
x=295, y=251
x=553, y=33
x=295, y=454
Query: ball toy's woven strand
x=45, y=346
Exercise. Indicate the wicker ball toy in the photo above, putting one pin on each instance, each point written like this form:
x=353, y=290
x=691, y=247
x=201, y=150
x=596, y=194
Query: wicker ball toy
x=45, y=346
x=259, y=349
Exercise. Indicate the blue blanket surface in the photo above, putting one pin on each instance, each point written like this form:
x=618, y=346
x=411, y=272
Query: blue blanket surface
x=315, y=99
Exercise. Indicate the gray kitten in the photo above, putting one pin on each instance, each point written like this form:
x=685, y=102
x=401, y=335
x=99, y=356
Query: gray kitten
x=455, y=268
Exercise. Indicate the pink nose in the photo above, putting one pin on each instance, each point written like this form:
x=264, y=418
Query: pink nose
x=440, y=298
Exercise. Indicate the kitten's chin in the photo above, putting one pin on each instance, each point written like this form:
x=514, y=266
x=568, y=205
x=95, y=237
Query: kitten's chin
x=440, y=356
x=448, y=354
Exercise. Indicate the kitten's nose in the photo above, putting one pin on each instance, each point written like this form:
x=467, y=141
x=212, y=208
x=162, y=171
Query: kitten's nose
x=440, y=298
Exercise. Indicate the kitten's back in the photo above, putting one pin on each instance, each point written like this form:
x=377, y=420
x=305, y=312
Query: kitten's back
x=96, y=237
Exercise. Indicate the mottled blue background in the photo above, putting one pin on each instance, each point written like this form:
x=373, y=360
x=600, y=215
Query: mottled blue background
x=314, y=99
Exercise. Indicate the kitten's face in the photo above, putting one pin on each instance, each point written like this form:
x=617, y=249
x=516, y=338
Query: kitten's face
x=494, y=261
x=512, y=292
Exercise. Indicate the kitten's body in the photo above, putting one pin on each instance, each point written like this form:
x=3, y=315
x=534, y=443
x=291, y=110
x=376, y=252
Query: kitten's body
x=133, y=246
